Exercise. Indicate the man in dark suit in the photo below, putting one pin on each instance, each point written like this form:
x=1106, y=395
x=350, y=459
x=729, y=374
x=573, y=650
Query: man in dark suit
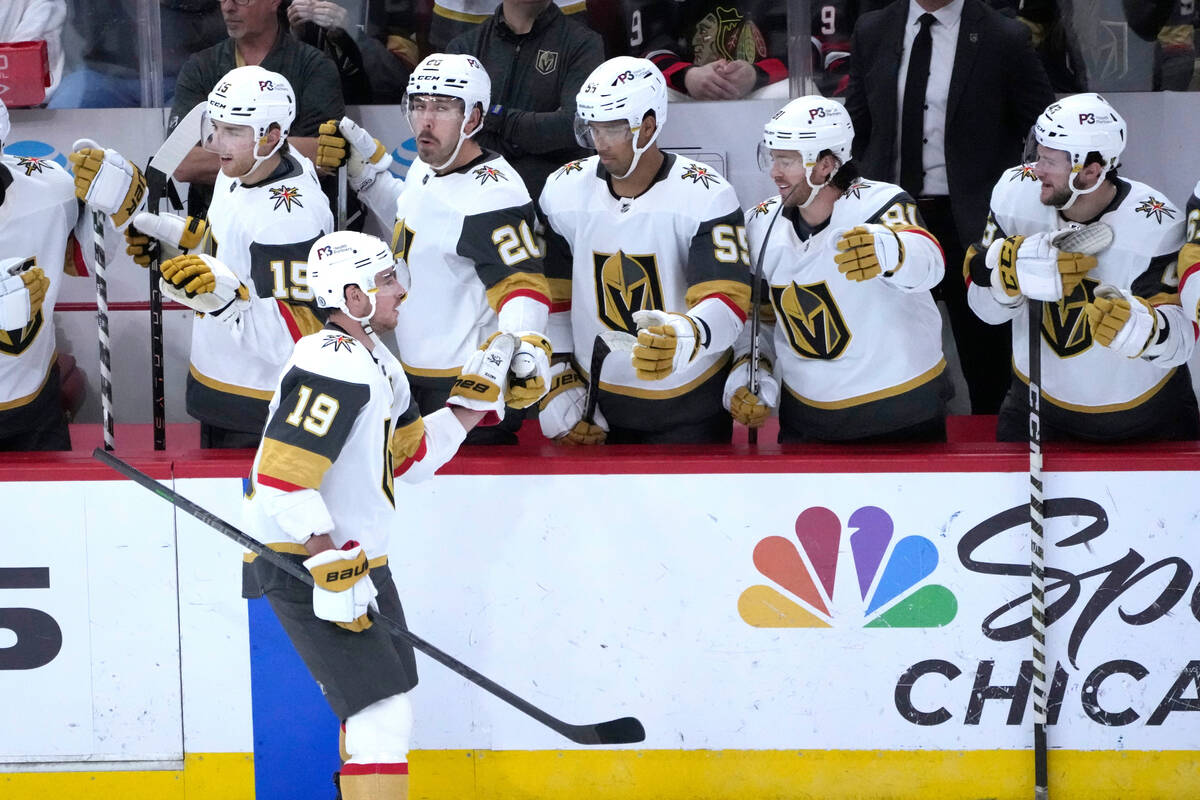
x=965, y=84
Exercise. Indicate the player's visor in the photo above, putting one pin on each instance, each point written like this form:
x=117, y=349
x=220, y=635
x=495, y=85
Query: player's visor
x=786, y=160
x=590, y=134
x=223, y=138
x=437, y=106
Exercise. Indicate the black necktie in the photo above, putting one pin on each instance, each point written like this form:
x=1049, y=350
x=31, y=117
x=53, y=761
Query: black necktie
x=912, y=122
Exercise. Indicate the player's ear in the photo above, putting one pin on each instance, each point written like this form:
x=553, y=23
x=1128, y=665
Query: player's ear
x=649, y=126
x=268, y=142
x=476, y=119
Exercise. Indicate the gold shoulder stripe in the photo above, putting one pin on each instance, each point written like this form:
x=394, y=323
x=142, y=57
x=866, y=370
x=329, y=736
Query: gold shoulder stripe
x=1189, y=256
x=736, y=291
x=287, y=462
x=229, y=388
x=305, y=319
x=1163, y=299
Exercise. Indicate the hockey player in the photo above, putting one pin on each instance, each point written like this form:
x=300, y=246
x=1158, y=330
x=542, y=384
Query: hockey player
x=39, y=220
x=651, y=244
x=342, y=424
x=1188, y=263
x=250, y=291
x=1114, y=340
x=856, y=337
x=464, y=221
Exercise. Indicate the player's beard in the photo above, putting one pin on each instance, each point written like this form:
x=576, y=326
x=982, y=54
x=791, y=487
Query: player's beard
x=1058, y=197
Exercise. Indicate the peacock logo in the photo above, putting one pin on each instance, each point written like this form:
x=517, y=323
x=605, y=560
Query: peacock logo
x=890, y=576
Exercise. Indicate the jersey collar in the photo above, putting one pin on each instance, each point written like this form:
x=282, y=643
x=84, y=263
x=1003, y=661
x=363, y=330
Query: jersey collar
x=664, y=170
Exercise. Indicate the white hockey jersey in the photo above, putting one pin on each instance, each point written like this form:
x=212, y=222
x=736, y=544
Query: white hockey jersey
x=1079, y=374
x=681, y=241
x=1189, y=260
x=840, y=343
x=39, y=217
x=468, y=239
x=263, y=234
x=333, y=416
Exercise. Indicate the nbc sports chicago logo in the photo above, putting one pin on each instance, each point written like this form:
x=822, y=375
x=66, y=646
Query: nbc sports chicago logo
x=891, y=574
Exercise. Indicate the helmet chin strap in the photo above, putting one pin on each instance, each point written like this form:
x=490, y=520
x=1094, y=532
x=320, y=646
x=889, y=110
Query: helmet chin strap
x=637, y=154
x=258, y=160
x=462, y=137
x=813, y=190
x=1077, y=193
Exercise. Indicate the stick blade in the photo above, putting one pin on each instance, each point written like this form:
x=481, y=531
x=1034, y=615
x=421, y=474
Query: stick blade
x=626, y=730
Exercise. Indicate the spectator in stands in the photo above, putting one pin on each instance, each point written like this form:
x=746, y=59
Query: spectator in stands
x=537, y=58
x=452, y=18
x=258, y=35
x=1175, y=50
x=110, y=75
x=712, y=49
x=37, y=20
x=972, y=87
x=354, y=34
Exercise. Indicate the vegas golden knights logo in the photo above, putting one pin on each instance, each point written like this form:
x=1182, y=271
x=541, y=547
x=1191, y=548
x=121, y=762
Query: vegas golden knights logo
x=402, y=239
x=1064, y=323
x=625, y=284
x=811, y=319
x=16, y=342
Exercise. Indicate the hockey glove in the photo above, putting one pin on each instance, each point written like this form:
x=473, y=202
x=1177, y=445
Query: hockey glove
x=745, y=407
x=22, y=292
x=481, y=384
x=869, y=250
x=1122, y=321
x=204, y=284
x=530, y=377
x=107, y=182
x=346, y=143
x=177, y=235
x=1032, y=267
x=342, y=586
x=666, y=343
x=561, y=411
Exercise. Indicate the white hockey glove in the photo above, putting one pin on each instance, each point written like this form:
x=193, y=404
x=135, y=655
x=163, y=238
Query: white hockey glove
x=530, y=379
x=666, y=343
x=869, y=250
x=176, y=234
x=1032, y=267
x=342, y=586
x=481, y=386
x=1122, y=321
x=107, y=182
x=22, y=292
x=204, y=284
x=561, y=411
x=346, y=143
x=749, y=409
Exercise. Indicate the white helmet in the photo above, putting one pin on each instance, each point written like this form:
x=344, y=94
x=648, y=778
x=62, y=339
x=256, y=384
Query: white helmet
x=1079, y=125
x=809, y=125
x=452, y=75
x=342, y=258
x=5, y=125
x=622, y=88
x=254, y=97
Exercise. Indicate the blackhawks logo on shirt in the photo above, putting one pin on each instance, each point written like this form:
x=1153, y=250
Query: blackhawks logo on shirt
x=1152, y=206
x=286, y=197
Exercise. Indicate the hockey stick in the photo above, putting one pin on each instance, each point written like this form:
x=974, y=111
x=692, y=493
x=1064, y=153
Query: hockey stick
x=1089, y=240
x=626, y=730
x=606, y=342
x=756, y=302
x=101, y=267
x=341, y=198
x=159, y=170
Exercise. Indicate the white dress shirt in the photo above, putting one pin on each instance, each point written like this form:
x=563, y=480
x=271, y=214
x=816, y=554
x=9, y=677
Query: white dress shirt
x=944, y=33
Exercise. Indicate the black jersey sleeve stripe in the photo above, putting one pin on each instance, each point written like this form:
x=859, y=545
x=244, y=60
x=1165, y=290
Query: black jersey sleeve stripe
x=316, y=412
